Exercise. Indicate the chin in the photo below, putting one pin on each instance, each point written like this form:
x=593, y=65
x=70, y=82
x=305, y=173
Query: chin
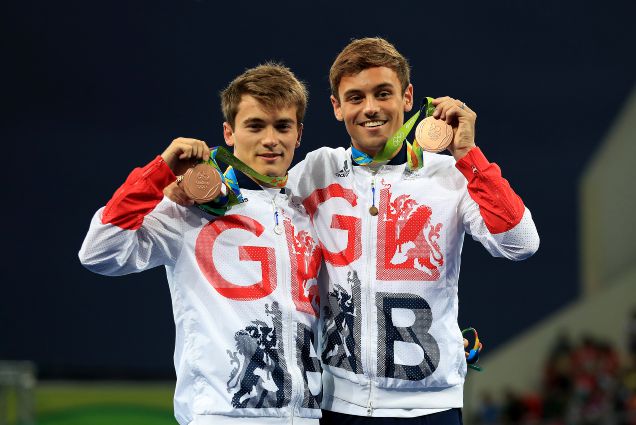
x=374, y=146
x=272, y=172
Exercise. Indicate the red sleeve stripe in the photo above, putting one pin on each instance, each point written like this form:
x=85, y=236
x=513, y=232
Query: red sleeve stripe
x=500, y=207
x=139, y=195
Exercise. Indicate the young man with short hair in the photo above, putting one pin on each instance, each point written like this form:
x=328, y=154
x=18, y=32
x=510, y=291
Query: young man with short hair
x=391, y=231
x=243, y=280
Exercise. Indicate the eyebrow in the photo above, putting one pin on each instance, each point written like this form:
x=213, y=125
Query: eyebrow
x=253, y=121
x=261, y=121
x=285, y=121
x=381, y=86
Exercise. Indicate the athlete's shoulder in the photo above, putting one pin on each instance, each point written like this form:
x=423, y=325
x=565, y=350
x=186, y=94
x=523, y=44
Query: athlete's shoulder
x=326, y=153
x=318, y=162
x=319, y=169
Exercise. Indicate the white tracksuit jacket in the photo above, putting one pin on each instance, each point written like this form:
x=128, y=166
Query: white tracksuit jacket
x=244, y=298
x=390, y=342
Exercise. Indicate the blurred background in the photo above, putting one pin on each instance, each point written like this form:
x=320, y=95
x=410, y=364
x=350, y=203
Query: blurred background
x=94, y=89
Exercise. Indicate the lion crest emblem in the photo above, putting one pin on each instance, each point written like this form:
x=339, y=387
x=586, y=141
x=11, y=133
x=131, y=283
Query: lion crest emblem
x=259, y=377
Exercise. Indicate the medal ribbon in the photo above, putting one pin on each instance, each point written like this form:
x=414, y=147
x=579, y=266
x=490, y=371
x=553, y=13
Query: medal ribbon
x=394, y=144
x=222, y=203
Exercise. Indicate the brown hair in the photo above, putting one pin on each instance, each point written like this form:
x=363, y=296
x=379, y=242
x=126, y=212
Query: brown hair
x=365, y=53
x=272, y=84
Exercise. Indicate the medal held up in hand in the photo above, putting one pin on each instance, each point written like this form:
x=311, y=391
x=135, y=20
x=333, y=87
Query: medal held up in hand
x=433, y=135
x=202, y=183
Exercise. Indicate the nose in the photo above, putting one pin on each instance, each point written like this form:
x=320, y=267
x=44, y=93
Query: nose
x=270, y=138
x=371, y=107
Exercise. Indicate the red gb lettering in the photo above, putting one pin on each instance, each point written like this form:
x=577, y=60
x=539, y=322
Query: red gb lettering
x=304, y=258
x=264, y=255
x=351, y=224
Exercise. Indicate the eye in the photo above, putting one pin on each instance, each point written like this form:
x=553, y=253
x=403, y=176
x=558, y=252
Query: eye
x=284, y=128
x=254, y=127
x=354, y=98
x=384, y=94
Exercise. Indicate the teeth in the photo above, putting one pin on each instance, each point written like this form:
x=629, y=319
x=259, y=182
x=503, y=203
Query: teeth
x=373, y=123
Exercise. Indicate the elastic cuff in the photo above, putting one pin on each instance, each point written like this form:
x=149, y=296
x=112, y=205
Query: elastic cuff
x=159, y=172
x=472, y=163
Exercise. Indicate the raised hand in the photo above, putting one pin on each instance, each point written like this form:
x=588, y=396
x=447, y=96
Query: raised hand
x=462, y=119
x=183, y=153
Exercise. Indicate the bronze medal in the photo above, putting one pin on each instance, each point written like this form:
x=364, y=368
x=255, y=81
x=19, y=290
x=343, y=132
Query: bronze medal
x=202, y=183
x=433, y=135
x=373, y=210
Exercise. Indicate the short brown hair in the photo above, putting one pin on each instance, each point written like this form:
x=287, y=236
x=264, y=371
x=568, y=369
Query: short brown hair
x=365, y=53
x=271, y=84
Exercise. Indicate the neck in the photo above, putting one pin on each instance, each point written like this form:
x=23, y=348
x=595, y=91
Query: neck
x=244, y=161
x=373, y=153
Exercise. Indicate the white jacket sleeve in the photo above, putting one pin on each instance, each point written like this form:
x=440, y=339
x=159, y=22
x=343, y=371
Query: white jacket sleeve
x=138, y=229
x=113, y=251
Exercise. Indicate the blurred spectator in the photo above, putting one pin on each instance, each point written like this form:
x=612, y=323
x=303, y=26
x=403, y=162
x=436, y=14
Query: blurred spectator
x=513, y=410
x=631, y=333
x=532, y=408
x=626, y=400
x=557, y=378
x=489, y=410
x=583, y=384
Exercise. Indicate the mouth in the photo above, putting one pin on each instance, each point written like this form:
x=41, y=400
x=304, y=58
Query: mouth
x=372, y=123
x=270, y=156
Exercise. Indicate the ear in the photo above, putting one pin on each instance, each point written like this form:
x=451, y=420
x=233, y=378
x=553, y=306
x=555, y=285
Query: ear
x=408, y=98
x=300, y=134
x=228, y=134
x=337, y=109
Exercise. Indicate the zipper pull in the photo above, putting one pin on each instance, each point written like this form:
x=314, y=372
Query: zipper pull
x=373, y=210
x=370, y=409
x=278, y=229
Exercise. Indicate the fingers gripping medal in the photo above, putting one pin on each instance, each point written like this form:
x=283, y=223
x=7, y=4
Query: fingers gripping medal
x=432, y=134
x=202, y=183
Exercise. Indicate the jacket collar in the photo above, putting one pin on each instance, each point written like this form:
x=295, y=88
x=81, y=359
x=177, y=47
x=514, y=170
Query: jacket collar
x=247, y=183
x=398, y=159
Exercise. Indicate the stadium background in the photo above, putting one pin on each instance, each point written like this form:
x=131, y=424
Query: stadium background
x=93, y=89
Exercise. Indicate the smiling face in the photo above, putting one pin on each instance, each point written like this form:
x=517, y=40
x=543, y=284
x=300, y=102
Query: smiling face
x=372, y=106
x=264, y=138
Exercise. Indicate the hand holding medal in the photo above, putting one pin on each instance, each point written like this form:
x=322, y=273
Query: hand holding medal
x=450, y=119
x=201, y=182
x=183, y=153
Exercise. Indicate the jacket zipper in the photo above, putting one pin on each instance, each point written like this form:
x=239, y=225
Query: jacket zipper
x=291, y=365
x=370, y=304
